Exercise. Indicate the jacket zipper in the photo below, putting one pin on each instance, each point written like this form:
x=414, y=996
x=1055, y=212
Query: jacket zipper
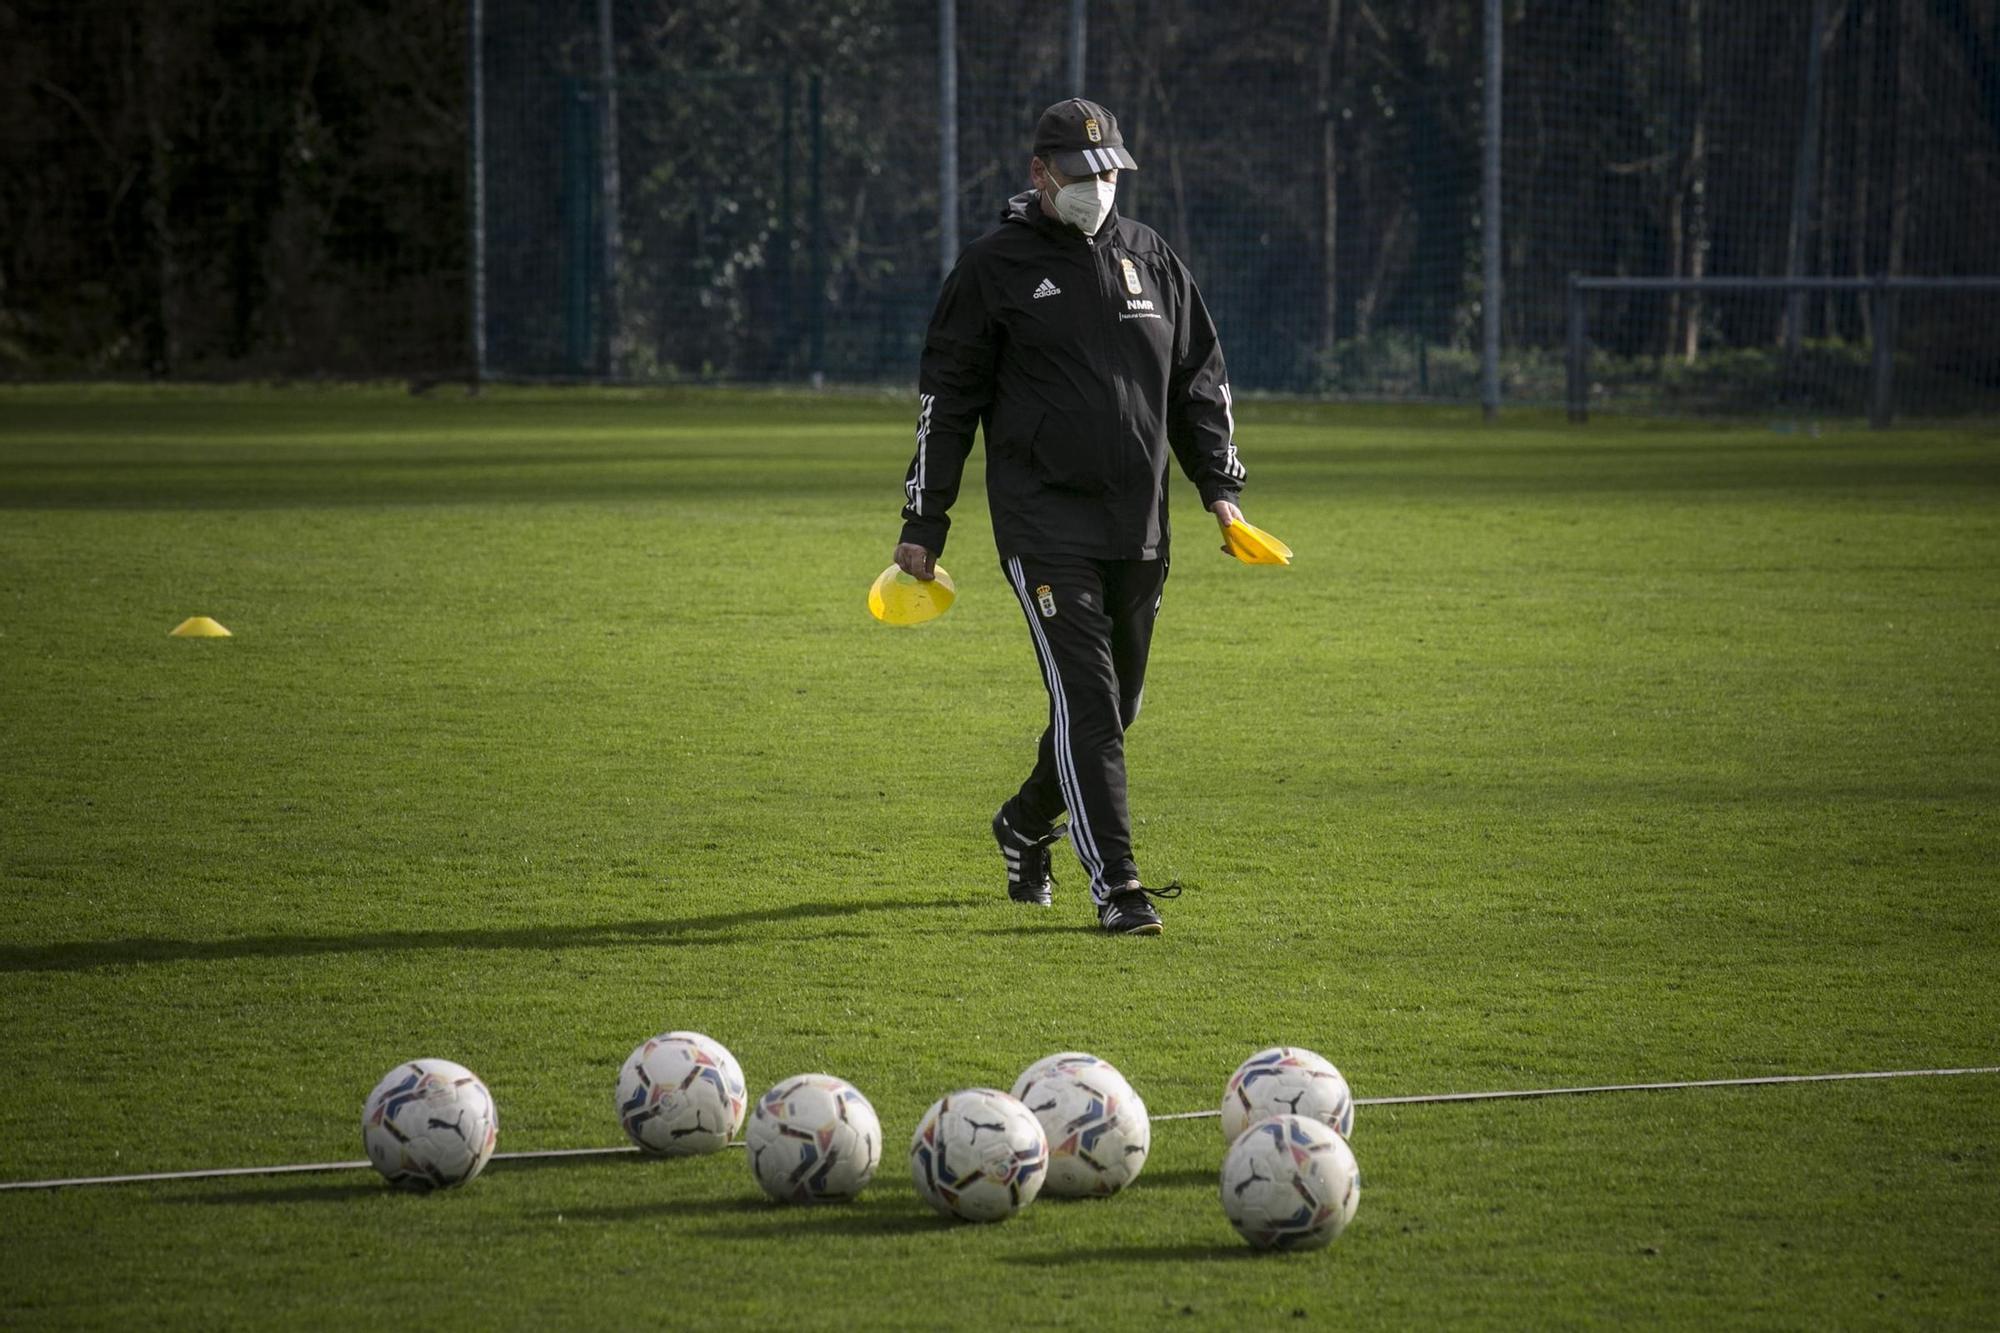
x=1114, y=361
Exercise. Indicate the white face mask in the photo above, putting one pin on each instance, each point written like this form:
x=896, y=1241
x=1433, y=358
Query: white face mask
x=1085, y=204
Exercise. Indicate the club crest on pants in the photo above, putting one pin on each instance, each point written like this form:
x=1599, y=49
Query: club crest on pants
x=1045, y=597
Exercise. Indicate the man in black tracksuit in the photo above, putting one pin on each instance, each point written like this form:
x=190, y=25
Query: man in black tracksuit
x=1076, y=338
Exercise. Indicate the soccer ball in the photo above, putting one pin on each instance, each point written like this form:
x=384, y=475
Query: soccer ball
x=979, y=1155
x=429, y=1124
x=814, y=1139
x=681, y=1093
x=1097, y=1128
x=1290, y=1183
x=1286, y=1080
x=1060, y=1060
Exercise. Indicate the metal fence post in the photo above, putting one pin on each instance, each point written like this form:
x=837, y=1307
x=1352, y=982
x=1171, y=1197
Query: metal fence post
x=1489, y=225
x=1882, y=356
x=947, y=136
x=580, y=253
x=1802, y=184
x=1575, y=361
x=1079, y=44
x=816, y=111
x=475, y=75
x=1575, y=376
x=788, y=227
x=610, y=265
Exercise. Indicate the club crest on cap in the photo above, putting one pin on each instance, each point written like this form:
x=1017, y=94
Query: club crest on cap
x=1090, y=130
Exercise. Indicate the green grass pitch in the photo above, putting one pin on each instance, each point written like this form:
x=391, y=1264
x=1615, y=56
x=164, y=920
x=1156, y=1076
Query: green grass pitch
x=551, y=720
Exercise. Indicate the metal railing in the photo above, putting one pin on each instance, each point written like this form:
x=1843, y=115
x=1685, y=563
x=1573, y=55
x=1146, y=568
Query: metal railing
x=1880, y=292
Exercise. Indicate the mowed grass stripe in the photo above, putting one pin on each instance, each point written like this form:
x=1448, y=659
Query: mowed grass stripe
x=553, y=720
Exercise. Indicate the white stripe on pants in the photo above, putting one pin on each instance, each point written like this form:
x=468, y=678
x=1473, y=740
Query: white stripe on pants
x=1079, y=820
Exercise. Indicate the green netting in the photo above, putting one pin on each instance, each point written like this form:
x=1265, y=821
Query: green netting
x=750, y=192
x=1318, y=164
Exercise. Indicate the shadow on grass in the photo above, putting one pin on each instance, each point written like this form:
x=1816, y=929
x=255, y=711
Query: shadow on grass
x=1043, y=927
x=781, y=1220
x=619, y=1160
x=1181, y=1178
x=666, y=1208
x=195, y=476
x=712, y=929
x=199, y=479
x=323, y=1192
x=1138, y=1254
x=758, y=1217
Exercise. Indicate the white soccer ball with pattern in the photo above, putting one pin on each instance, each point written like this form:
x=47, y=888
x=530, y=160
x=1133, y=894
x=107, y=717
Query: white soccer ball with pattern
x=1060, y=1060
x=1290, y=1183
x=429, y=1124
x=813, y=1139
x=1097, y=1128
x=979, y=1154
x=681, y=1093
x=1286, y=1080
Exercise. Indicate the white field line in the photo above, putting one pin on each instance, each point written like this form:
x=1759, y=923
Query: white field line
x=303, y=1168
x=1428, y=1097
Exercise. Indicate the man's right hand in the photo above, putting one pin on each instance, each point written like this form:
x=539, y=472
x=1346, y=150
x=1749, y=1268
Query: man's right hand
x=916, y=561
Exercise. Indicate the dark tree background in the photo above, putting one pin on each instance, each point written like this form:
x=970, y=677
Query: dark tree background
x=232, y=188
x=280, y=188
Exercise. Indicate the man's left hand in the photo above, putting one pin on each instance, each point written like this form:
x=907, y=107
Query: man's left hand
x=1225, y=514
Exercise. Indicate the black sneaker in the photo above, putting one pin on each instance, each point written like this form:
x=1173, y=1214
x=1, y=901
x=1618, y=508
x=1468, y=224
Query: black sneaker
x=1030, y=876
x=1126, y=911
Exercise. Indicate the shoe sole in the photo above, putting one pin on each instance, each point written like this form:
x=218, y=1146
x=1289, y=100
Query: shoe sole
x=1145, y=928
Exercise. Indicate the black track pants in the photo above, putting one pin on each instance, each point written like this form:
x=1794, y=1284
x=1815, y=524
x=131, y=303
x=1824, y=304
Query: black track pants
x=1092, y=625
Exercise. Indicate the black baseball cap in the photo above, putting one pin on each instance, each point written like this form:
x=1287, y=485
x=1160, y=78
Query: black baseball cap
x=1080, y=138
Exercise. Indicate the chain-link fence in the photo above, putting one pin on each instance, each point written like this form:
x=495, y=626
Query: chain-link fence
x=663, y=190
x=1316, y=162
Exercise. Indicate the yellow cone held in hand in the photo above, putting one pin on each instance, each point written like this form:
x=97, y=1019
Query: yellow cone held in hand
x=1254, y=546
x=198, y=627
x=897, y=598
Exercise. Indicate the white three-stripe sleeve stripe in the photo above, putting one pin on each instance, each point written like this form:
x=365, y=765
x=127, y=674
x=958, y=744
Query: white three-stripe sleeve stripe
x=1231, y=465
x=915, y=486
x=1079, y=821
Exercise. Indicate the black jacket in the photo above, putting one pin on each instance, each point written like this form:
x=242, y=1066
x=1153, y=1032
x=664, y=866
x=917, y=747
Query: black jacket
x=1083, y=358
